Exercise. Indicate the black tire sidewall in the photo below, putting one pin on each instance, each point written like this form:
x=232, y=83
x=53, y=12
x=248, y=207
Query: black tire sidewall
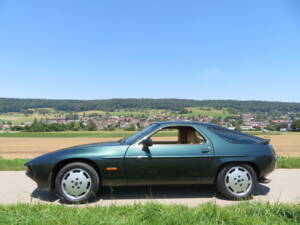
x=221, y=186
x=94, y=187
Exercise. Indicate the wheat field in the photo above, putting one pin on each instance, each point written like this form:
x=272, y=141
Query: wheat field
x=11, y=148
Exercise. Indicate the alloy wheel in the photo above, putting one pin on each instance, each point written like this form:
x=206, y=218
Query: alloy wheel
x=76, y=183
x=238, y=181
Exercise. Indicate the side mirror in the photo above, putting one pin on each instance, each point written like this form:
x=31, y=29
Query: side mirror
x=147, y=142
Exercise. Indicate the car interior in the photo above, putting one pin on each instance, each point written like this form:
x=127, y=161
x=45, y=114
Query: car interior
x=177, y=135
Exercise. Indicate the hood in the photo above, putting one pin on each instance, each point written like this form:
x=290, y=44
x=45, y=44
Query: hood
x=103, y=149
x=91, y=145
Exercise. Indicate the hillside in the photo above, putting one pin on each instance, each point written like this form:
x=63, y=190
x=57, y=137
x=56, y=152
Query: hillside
x=21, y=105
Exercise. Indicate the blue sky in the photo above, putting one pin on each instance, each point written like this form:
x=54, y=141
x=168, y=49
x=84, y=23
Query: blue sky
x=152, y=49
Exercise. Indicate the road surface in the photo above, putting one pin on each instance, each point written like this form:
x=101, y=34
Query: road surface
x=16, y=187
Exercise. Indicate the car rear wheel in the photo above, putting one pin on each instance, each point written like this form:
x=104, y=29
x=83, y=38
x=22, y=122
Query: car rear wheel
x=77, y=183
x=237, y=181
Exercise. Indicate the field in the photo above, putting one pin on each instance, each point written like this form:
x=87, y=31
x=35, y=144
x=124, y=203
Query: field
x=207, y=111
x=151, y=214
x=70, y=134
x=28, y=145
x=40, y=113
x=43, y=113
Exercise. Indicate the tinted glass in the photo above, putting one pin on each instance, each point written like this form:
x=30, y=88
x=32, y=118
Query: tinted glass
x=235, y=137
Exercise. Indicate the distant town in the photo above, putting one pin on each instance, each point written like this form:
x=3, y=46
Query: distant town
x=49, y=120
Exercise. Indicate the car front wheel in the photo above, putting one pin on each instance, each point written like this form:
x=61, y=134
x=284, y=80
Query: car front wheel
x=237, y=181
x=77, y=183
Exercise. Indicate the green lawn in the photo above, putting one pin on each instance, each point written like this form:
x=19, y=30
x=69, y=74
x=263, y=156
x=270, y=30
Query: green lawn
x=12, y=164
x=63, y=134
x=17, y=164
x=288, y=162
x=151, y=214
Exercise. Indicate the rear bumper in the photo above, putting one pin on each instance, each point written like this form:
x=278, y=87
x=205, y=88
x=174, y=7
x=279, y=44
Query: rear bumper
x=269, y=166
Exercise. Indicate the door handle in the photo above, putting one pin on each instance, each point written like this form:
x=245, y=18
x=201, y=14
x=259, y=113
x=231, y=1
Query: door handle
x=205, y=150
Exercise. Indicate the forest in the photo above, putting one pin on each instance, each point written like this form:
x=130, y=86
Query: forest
x=110, y=105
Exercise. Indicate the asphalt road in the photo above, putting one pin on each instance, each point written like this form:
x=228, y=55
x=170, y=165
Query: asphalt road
x=16, y=187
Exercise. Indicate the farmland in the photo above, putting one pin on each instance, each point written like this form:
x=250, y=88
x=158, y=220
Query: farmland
x=28, y=145
x=207, y=111
x=41, y=113
x=70, y=134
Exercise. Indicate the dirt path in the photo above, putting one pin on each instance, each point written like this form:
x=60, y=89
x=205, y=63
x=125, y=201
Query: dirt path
x=284, y=188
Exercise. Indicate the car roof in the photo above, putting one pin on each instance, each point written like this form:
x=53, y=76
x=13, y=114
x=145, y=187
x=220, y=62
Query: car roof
x=186, y=123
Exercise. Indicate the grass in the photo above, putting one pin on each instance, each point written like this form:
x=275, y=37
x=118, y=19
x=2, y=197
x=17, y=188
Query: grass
x=288, y=162
x=151, y=214
x=206, y=111
x=75, y=134
x=17, y=164
x=83, y=134
x=12, y=164
x=18, y=118
x=115, y=133
x=271, y=133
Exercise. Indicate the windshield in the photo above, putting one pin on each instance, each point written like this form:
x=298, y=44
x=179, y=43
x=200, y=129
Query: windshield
x=141, y=134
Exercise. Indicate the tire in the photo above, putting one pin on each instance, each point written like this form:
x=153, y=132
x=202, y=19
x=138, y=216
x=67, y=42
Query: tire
x=237, y=181
x=77, y=183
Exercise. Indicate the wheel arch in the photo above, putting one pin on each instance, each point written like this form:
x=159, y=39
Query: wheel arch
x=64, y=162
x=249, y=163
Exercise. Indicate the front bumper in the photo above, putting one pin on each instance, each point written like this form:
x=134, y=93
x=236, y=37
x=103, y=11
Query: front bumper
x=41, y=183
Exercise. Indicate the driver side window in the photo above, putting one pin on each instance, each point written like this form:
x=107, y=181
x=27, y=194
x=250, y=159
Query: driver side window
x=177, y=135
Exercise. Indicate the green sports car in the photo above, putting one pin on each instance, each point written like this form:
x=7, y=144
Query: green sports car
x=163, y=153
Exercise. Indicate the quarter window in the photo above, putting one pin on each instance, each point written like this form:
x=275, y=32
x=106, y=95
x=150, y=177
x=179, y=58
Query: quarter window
x=234, y=136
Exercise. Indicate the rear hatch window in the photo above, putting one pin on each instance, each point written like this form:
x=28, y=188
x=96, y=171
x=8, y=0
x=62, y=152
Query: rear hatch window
x=237, y=137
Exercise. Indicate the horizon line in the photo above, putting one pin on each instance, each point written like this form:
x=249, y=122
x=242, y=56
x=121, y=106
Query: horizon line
x=147, y=98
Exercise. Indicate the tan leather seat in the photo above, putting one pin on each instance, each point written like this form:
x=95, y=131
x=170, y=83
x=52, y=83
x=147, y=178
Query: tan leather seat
x=192, y=138
x=187, y=136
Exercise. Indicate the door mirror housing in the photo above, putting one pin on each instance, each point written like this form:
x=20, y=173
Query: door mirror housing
x=147, y=142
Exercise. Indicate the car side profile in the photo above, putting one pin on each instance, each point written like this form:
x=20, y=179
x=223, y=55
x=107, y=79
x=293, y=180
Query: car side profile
x=163, y=153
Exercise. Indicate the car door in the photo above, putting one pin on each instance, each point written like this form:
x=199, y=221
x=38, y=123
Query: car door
x=168, y=163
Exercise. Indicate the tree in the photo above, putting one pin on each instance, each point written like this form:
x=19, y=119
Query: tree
x=183, y=111
x=131, y=127
x=257, y=128
x=271, y=127
x=296, y=125
x=76, y=126
x=91, y=126
x=110, y=127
